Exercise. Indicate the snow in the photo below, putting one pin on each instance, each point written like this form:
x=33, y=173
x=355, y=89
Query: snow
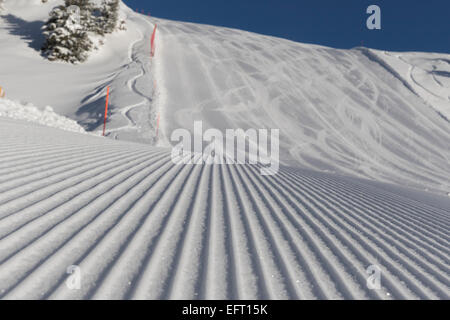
x=366, y=113
x=77, y=92
x=28, y=112
x=339, y=111
x=425, y=74
x=140, y=227
x=358, y=128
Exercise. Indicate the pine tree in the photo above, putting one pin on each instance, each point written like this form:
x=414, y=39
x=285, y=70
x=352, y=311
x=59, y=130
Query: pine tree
x=104, y=18
x=86, y=8
x=109, y=15
x=70, y=26
x=99, y=21
x=66, y=38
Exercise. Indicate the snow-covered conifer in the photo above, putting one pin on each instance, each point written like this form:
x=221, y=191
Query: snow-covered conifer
x=86, y=8
x=109, y=12
x=66, y=38
x=72, y=28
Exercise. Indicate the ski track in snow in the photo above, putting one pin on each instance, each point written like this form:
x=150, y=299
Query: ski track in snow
x=144, y=121
x=343, y=111
x=141, y=227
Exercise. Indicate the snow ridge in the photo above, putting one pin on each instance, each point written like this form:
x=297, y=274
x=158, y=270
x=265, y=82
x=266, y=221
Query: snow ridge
x=375, y=58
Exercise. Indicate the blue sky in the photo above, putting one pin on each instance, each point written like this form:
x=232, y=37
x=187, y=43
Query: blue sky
x=407, y=25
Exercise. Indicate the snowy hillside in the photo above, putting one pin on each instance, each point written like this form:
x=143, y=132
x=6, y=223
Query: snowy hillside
x=377, y=115
x=338, y=110
x=364, y=176
x=78, y=91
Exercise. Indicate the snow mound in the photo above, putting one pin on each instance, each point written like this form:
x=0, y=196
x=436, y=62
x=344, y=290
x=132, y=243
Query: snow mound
x=28, y=112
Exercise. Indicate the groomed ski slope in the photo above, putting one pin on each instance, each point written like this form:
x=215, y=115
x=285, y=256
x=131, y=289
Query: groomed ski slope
x=140, y=227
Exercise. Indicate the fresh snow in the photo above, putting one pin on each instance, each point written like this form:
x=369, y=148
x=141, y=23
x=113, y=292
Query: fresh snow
x=28, y=112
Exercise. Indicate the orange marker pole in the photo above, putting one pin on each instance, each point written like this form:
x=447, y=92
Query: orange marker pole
x=152, y=42
x=157, y=126
x=106, y=110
